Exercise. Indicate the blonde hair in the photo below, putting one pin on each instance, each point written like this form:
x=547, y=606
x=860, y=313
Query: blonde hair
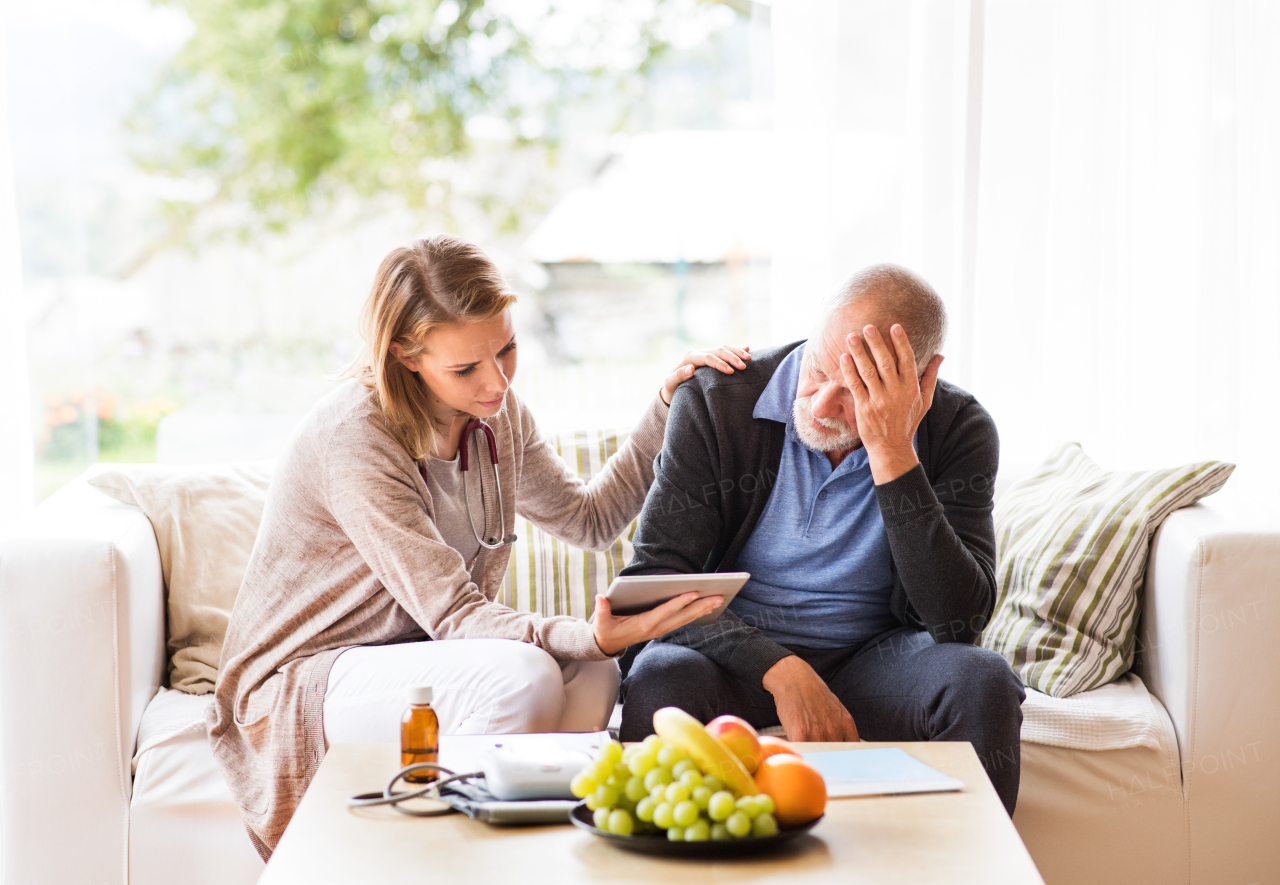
x=431, y=282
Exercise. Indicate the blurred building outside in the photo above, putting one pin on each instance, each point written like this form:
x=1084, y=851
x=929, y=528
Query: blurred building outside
x=663, y=250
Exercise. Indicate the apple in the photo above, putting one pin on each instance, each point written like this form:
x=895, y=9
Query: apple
x=738, y=735
x=772, y=746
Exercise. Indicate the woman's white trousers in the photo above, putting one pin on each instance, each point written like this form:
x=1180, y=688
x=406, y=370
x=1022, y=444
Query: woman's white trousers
x=481, y=686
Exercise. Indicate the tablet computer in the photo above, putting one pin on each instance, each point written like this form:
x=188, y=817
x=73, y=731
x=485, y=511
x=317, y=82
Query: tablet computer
x=634, y=594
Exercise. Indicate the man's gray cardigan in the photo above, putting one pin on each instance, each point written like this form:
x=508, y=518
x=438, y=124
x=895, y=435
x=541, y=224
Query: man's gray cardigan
x=718, y=465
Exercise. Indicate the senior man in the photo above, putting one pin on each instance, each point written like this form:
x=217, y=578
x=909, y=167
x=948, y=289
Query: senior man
x=856, y=488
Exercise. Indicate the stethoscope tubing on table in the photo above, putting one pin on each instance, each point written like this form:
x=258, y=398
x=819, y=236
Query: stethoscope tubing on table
x=430, y=791
x=464, y=463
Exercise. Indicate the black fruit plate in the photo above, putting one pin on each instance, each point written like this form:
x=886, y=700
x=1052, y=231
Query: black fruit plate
x=660, y=844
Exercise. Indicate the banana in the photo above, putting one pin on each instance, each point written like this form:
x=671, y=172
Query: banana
x=677, y=727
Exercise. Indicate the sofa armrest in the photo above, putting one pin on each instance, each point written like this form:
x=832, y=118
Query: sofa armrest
x=1207, y=650
x=82, y=618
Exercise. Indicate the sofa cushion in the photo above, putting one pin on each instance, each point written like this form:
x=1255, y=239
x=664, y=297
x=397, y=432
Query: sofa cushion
x=205, y=519
x=1114, y=716
x=1071, y=549
x=184, y=825
x=551, y=577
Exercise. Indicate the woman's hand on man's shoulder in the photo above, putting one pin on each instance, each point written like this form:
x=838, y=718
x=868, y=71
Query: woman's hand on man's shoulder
x=726, y=358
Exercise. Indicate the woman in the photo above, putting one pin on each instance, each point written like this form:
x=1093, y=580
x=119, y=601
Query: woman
x=367, y=547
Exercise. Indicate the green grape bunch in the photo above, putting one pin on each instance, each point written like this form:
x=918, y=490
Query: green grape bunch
x=655, y=787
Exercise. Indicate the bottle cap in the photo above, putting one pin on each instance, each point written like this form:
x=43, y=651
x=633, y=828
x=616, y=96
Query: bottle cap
x=420, y=694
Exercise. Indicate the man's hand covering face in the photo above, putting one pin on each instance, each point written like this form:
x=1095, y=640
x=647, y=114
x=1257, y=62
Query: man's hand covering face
x=890, y=401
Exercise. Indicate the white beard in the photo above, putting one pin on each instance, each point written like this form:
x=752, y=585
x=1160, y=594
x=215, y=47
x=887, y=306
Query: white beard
x=841, y=435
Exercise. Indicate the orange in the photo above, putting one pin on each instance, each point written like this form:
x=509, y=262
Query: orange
x=770, y=745
x=798, y=792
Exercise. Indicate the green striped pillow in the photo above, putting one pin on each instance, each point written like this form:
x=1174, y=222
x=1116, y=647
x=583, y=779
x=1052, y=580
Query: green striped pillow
x=547, y=575
x=1071, y=550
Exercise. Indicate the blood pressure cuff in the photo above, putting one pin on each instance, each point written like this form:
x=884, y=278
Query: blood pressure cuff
x=473, y=800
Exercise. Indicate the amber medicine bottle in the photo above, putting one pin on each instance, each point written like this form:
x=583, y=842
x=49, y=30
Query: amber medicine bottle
x=419, y=734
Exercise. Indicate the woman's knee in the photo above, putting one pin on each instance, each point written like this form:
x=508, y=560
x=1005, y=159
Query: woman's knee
x=590, y=691
x=594, y=679
x=533, y=690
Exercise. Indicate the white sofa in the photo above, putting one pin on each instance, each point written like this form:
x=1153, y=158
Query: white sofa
x=1188, y=789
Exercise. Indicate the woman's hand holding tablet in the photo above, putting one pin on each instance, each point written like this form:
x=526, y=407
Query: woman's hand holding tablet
x=615, y=632
x=650, y=606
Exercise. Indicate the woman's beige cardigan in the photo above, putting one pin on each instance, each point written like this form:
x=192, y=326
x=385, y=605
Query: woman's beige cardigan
x=348, y=554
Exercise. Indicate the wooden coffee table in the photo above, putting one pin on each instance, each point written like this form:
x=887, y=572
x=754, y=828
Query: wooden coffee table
x=953, y=838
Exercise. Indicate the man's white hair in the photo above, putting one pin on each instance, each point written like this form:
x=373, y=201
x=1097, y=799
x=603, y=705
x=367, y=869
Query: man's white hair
x=893, y=294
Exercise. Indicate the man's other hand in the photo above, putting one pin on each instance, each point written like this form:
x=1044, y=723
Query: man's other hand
x=807, y=709
x=889, y=399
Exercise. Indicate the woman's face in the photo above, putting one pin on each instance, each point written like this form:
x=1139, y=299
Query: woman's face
x=468, y=366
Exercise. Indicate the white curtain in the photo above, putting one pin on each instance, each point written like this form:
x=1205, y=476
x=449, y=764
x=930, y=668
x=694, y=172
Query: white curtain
x=1128, y=237
x=16, y=456
x=1094, y=187
x=871, y=101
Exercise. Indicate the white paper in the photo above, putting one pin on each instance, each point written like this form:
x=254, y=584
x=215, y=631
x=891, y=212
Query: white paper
x=878, y=772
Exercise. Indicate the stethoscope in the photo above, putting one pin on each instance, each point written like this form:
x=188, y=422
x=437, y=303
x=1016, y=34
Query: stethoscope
x=430, y=791
x=464, y=463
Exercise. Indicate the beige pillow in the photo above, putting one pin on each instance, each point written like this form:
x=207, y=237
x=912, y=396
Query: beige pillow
x=206, y=519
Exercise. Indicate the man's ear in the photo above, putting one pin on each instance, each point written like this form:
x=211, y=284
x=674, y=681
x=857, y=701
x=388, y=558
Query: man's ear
x=929, y=380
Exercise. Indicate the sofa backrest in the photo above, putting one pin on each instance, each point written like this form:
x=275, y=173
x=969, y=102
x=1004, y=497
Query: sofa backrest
x=550, y=577
x=206, y=518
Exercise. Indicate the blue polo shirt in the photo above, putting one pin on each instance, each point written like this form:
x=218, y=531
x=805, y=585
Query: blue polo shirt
x=819, y=556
